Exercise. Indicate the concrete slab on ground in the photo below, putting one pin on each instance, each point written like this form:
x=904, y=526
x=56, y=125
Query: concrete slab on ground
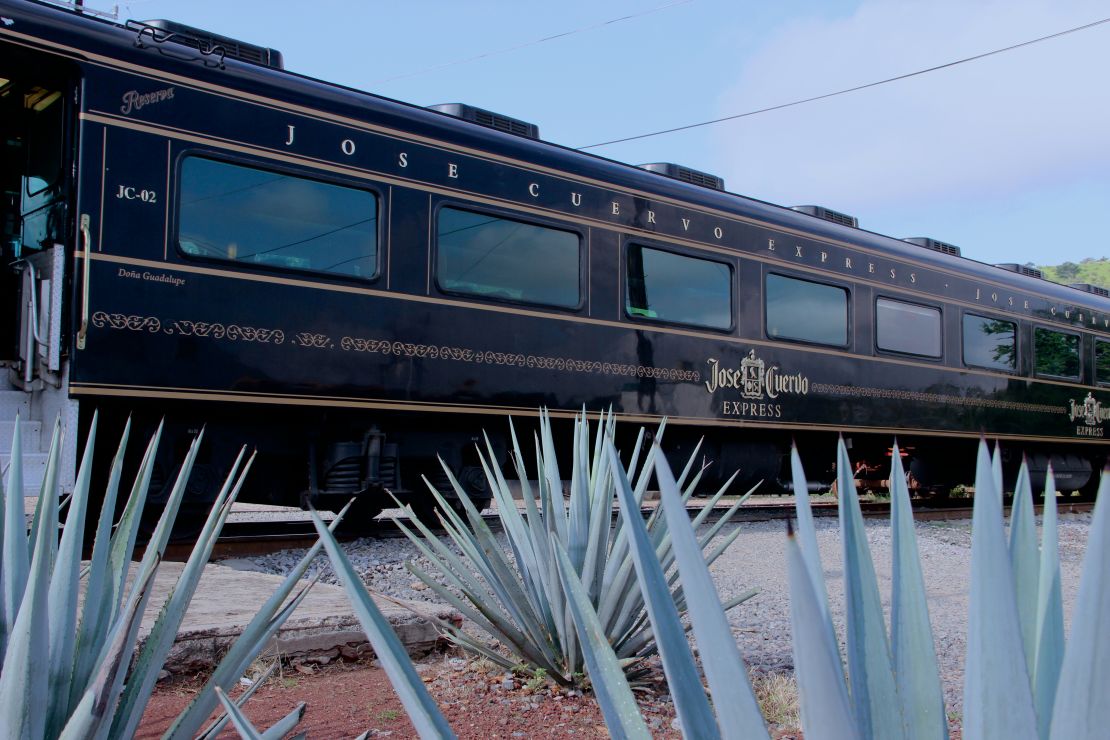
x=323, y=626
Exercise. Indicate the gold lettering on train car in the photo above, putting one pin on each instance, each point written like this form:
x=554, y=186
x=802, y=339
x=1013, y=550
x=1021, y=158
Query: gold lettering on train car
x=718, y=232
x=770, y=245
x=534, y=189
x=347, y=146
x=651, y=217
x=798, y=250
x=616, y=208
x=913, y=277
x=847, y=263
x=685, y=224
x=755, y=380
x=576, y=199
x=403, y=159
x=892, y=275
x=453, y=170
x=871, y=268
x=824, y=257
x=292, y=133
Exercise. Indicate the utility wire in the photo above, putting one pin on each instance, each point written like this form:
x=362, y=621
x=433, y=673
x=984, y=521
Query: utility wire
x=507, y=49
x=847, y=90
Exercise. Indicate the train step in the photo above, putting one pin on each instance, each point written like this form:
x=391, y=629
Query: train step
x=34, y=470
x=14, y=402
x=32, y=435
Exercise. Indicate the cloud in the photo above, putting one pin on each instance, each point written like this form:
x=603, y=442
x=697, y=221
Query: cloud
x=1019, y=120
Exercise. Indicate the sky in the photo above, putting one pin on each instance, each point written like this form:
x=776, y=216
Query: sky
x=1007, y=157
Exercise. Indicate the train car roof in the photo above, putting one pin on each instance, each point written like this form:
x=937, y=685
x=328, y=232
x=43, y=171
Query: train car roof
x=102, y=40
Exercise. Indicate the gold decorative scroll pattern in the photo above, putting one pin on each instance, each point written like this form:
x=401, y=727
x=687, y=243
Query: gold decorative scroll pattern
x=828, y=389
x=214, y=330
x=515, y=359
x=236, y=332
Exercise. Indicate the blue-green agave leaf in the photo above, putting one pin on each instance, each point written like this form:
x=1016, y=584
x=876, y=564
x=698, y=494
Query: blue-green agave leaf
x=1081, y=711
x=242, y=725
x=144, y=672
x=92, y=715
x=15, y=564
x=911, y=634
x=98, y=607
x=217, y=726
x=806, y=537
x=822, y=695
x=1049, y=631
x=618, y=705
x=875, y=701
x=64, y=585
x=423, y=712
x=738, y=712
x=1025, y=561
x=24, y=686
x=250, y=643
x=691, y=704
x=998, y=700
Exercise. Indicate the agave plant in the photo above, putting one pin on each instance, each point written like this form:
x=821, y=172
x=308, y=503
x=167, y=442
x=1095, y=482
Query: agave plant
x=65, y=661
x=521, y=601
x=1020, y=681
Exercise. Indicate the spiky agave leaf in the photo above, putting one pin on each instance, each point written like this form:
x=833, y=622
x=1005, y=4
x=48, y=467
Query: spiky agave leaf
x=422, y=710
x=15, y=563
x=24, y=687
x=1081, y=711
x=1024, y=559
x=248, y=731
x=911, y=634
x=822, y=696
x=737, y=709
x=144, y=672
x=690, y=701
x=806, y=539
x=998, y=700
x=1049, y=632
x=875, y=700
x=618, y=705
x=64, y=586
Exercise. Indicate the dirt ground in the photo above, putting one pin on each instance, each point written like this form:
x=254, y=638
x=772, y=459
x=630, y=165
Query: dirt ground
x=344, y=700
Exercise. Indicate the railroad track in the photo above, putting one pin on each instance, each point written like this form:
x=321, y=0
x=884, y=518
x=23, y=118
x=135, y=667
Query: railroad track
x=250, y=538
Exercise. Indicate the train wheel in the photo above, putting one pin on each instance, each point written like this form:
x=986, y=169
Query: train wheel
x=359, y=519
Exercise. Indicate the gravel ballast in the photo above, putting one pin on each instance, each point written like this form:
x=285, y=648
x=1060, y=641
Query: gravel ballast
x=758, y=559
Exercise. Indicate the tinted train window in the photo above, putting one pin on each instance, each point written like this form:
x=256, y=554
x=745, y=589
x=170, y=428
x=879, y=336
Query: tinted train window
x=243, y=214
x=1102, y=361
x=907, y=327
x=495, y=257
x=990, y=343
x=672, y=287
x=1056, y=353
x=809, y=312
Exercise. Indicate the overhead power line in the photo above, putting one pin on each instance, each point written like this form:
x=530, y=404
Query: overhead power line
x=845, y=91
x=507, y=49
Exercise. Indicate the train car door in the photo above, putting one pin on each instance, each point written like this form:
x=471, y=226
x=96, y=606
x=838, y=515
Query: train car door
x=38, y=238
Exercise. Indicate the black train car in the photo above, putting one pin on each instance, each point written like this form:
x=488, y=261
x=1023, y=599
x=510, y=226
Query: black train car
x=355, y=285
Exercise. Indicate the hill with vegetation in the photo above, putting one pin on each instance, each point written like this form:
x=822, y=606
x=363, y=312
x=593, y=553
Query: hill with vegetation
x=1090, y=270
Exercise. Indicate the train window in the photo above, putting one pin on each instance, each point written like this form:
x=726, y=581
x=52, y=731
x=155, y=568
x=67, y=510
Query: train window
x=907, y=327
x=665, y=286
x=261, y=217
x=1055, y=353
x=1102, y=361
x=806, y=311
x=990, y=343
x=496, y=257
